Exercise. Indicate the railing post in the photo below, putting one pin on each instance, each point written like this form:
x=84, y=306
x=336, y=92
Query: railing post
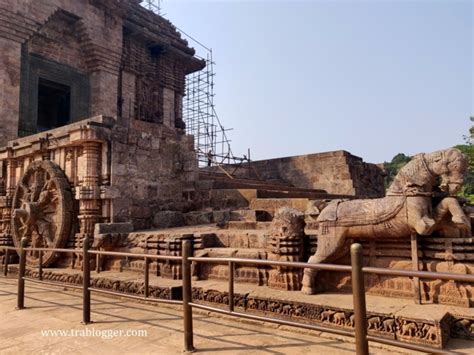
x=187, y=298
x=21, y=275
x=358, y=292
x=231, y=286
x=86, y=281
x=5, y=267
x=414, y=260
x=97, y=262
x=147, y=278
x=40, y=266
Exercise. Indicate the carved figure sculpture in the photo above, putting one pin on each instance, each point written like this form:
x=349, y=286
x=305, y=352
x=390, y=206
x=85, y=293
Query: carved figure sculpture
x=406, y=209
x=374, y=323
x=42, y=210
x=285, y=243
x=429, y=332
x=351, y=321
x=340, y=318
x=326, y=316
x=408, y=329
x=389, y=325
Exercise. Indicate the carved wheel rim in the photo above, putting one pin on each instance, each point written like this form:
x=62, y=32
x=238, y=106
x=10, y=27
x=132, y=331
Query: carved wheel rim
x=42, y=210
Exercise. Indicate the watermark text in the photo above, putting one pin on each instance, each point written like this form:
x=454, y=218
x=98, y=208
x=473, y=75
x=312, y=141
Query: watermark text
x=93, y=332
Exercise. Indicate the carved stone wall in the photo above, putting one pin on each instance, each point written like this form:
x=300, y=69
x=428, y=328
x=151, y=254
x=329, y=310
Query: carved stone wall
x=152, y=83
x=431, y=333
x=116, y=173
x=151, y=166
x=87, y=37
x=337, y=172
x=59, y=40
x=79, y=34
x=143, y=99
x=439, y=253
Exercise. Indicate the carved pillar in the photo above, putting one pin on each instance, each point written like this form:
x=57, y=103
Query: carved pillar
x=11, y=177
x=286, y=243
x=88, y=191
x=3, y=178
x=5, y=218
x=171, y=245
x=7, y=189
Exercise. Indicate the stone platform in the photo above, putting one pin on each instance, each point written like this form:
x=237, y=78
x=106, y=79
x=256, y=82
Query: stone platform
x=400, y=319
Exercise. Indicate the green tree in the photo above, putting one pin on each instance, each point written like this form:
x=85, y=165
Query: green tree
x=468, y=149
x=393, y=167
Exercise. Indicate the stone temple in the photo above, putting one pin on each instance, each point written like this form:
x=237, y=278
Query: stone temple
x=93, y=142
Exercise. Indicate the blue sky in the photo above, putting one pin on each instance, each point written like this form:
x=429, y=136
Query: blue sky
x=372, y=77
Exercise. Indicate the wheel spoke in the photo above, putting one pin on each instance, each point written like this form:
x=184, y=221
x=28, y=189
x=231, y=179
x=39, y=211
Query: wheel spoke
x=49, y=209
x=42, y=184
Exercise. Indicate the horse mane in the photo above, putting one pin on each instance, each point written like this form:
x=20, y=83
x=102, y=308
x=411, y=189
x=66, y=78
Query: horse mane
x=413, y=177
x=416, y=176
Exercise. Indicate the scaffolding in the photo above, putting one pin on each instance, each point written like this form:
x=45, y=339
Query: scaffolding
x=212, y=144
x=210, y=137
x=153, y=5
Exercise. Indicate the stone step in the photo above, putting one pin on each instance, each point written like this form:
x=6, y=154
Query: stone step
x=243, y=215
x=272, y=204
x=204, y=175
x=231, y=198
x=214, y=181
x=242, y=225
x=263, y=225
x=310, y=194
x=236, y=184
x=264, y=193
x=245, y=253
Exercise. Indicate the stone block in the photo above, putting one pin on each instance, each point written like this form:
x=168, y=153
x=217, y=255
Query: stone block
x=140, y=212
x=243, y=215
x=108, y=228
x=221, y=217
x=197, y=217
x=168, y=219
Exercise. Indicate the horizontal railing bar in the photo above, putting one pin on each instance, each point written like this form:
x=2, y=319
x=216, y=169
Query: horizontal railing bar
x=157, y=300
x=420, y=274
x=52, y=283
x=400, y=344
x=136, y=255
x=9, y=248
x=55, y=250
x=330, y=267
x=273, y=320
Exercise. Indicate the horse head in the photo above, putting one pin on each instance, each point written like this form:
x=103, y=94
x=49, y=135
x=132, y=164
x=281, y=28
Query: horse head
x=423, y=172
x=450, y=166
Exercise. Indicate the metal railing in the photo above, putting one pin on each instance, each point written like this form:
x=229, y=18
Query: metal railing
x=356, y=269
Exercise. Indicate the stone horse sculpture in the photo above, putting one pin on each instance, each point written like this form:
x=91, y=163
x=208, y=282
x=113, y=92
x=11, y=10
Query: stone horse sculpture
x=406, y=209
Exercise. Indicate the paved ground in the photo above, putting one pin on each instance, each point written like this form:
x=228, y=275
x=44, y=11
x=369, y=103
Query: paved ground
x=52, y=309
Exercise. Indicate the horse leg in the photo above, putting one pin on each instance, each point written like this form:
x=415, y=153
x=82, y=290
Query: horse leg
x=451, y=205
x=329, y=248
x=419, y=216
x=424, y=225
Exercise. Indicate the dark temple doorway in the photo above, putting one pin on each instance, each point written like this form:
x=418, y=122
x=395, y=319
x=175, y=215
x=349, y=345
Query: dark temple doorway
x=54, y=105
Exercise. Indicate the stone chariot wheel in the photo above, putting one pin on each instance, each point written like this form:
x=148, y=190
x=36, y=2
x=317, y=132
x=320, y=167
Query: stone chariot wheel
x=42, y=210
